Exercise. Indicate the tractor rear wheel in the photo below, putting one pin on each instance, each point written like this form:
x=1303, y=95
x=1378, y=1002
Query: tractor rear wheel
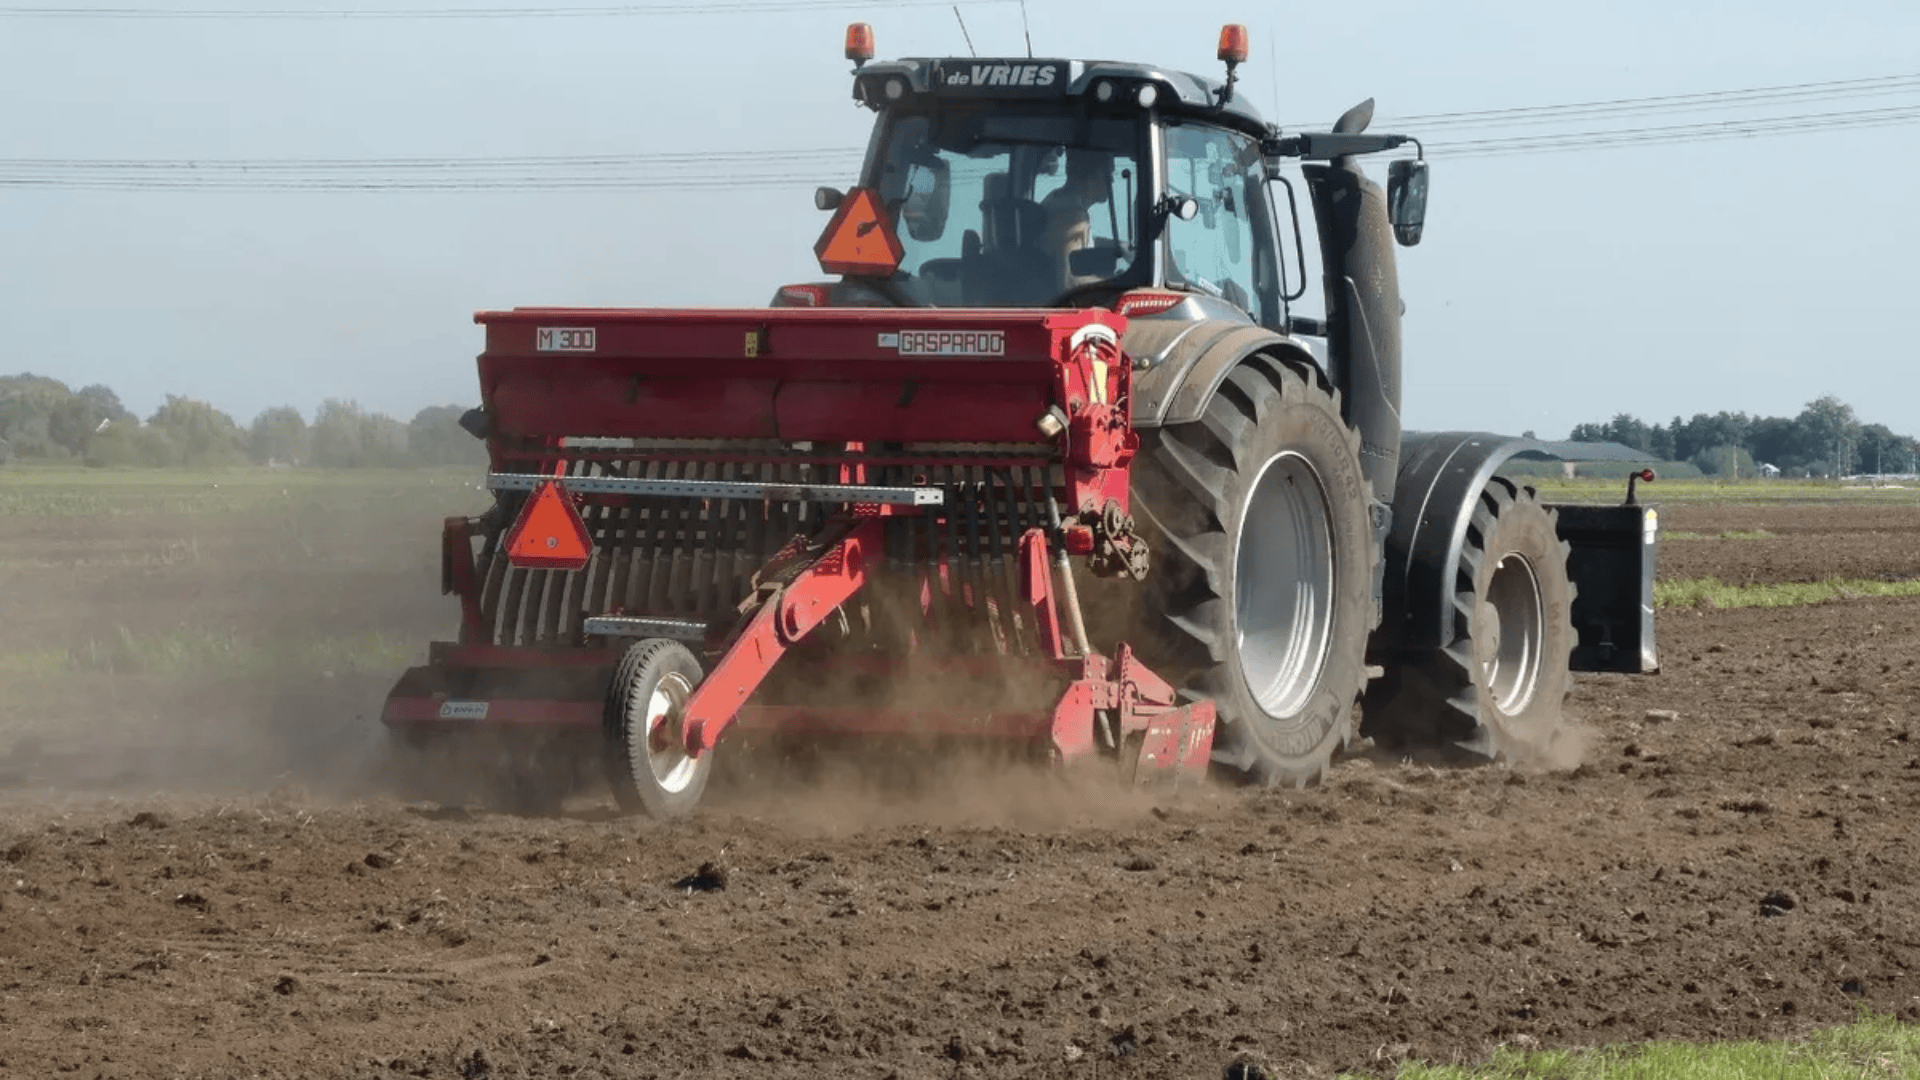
x=648, y=766
x=1262, y=593
x=1497, y=690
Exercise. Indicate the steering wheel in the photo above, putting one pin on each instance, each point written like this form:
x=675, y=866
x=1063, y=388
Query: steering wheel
x=1071, y=297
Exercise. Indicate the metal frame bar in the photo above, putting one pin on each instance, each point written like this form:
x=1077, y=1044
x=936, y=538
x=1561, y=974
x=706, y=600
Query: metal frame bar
x=633, y=626
x=723, y=489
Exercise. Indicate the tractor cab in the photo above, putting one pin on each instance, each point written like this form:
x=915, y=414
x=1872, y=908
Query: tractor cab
x=1062, y=183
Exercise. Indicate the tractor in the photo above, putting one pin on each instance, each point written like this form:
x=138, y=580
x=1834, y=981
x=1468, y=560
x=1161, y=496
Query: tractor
x=1050, y=461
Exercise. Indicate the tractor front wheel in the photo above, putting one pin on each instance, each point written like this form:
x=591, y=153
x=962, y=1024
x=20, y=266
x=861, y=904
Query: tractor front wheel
x=648, y=765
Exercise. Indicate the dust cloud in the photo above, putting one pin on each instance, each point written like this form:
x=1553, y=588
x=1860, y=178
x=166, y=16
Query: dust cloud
x=1564, y=749
x=238, y=644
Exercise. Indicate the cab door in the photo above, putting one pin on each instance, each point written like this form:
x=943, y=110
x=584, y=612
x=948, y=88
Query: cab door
x=1227, y=249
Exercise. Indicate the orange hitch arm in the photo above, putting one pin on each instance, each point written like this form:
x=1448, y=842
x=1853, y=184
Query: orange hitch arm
x=800, y=606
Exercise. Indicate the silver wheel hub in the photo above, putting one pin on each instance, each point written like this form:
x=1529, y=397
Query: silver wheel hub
x=1283, y=585
x=665, y=740
x=1511, y=634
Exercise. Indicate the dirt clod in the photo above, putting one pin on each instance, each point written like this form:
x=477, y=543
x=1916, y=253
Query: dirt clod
x=476, y=1065
x=711, y=877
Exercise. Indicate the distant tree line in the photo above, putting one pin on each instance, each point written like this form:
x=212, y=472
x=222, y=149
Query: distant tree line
x=1826, y=439
x=43, y=419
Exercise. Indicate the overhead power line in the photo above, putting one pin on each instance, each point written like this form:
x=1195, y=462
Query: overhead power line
x=724, y=158
x=497, y=184
x=611, y=11
x=746, y=169
x=1758, y=97
x=1677, y=133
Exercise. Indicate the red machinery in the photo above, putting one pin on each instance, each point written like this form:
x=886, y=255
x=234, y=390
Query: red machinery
x=834, y=521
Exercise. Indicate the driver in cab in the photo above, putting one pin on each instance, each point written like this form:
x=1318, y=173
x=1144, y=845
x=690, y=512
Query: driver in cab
x=1069, y=224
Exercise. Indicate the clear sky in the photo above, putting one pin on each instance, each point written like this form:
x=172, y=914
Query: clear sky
x=1550, y=289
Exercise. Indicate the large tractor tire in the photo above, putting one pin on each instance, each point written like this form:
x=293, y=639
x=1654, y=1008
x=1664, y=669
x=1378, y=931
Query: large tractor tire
x=1261, y=592
x=1497, y=691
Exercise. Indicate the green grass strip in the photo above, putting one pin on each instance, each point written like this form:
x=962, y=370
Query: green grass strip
x=1732, y=493
x=69, y=492
x=1869, y=1049
x=1730, y=534
x=1712, y=592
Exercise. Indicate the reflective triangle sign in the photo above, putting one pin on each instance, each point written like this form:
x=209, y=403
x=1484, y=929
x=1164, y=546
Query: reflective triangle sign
x=549, y=534
x=859, y=239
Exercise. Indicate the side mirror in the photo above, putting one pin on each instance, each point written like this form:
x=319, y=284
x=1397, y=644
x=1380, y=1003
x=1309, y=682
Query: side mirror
x=826, y=198
x=1183, y=207
x=1407, y=199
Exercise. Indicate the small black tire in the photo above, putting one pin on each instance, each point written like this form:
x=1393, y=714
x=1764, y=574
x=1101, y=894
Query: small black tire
x=650, y=688
x=1497, y=691
x=1261, y=596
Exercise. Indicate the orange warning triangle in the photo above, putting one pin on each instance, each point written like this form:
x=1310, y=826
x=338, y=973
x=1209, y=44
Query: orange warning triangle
x=549, y=534
x=859, y=239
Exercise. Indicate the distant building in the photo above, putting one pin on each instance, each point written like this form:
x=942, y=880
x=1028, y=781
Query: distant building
x=1770, y=471
x=1572, y=455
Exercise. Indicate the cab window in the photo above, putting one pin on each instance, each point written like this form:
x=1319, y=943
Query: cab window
x=1014, y=207
x=1227, y=248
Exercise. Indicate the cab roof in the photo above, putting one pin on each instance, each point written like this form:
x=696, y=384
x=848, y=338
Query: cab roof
x=1030, y=78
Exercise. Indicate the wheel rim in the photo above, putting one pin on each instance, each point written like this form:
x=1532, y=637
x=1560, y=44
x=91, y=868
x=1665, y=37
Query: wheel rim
x=1518, y=617
x=666, y=745
x=1283, y=585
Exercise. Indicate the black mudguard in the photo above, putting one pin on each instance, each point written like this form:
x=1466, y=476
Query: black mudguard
x=1363, y=311
x=1611, y=563
x=1186, y=361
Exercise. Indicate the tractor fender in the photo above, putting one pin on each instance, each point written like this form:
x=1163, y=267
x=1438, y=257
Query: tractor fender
x=1441, y=475
x=1184, y=363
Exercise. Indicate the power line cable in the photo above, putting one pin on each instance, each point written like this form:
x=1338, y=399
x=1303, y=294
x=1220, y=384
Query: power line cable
x=727, y=160
x=1679, y=133
x=1668, y=103
x=732, y=158
x=1671, y=99
x=502, y=184
x=567, y=12
x=1752, y=104
x=741, y=169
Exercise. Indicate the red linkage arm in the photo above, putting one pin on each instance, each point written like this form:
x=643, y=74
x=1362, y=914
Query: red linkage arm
x=803, y=604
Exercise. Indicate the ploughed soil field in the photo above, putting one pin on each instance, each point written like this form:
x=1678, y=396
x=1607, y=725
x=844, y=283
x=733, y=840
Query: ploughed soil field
x=201, y=873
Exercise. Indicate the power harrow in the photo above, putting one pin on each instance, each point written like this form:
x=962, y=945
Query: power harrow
x=797, y=522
